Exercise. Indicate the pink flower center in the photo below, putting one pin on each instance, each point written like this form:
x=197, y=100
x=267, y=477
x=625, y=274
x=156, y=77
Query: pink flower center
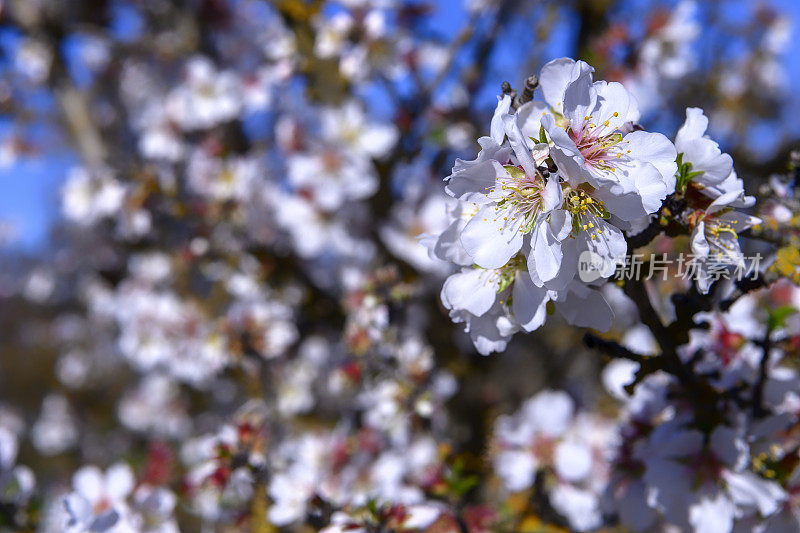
x=597, y=146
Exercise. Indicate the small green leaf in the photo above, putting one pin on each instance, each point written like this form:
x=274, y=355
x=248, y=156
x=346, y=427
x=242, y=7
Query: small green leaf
x=374, y=510
x=516, y=172
x=691, y=175
x=777, y=317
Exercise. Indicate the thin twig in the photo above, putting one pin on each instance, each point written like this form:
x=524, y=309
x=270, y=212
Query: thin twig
x=612, y=349
x=758, y=389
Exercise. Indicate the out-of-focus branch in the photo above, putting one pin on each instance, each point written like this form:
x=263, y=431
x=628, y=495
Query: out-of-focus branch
x=758, y=389
x=75, y=110
x=612, y=349
x=258, y=510
x=637, y=292
x=453, y=51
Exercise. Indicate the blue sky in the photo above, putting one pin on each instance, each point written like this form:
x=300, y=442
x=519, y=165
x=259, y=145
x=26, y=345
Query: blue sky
x=29, y=187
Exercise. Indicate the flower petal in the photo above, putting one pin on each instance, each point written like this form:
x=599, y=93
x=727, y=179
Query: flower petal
x=529, y=303
x=492, y=237
x=700, y=246
x=616, y=106
x=469, y=290
x=529, y=118
x=657, y=150
x=545, y=257
x=586, y=307
x=580, y=100
x=556, y=75
x=518, y=144
x=498, y=131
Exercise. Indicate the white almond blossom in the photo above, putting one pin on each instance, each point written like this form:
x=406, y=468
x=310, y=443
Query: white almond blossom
x=682, y=470
x=631, y=171
x=711, y=169
x=547, y=436
x=206, y=98
x=331, y=176
x=99, y=500
x=715, y=238
x=89, y=196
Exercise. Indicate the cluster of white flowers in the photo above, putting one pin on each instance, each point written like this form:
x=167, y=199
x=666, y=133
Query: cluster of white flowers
x=735, y=473
x=651, y=465
x=562, y=178
x=546, y=437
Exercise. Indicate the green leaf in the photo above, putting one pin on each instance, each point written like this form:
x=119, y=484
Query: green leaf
x=691, y=175
x=516, y=172
x=685, y=173
x=372, y=507
x=777, y=317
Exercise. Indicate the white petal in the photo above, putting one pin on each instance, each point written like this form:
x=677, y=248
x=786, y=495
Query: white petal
x=551, y=411
x=556, y=75
x=560, y=222
x=586, y=308
x=639, y=191
x=529, y=118
x=498, y=131
x=530, y=302
x=693, y=128
x=78, y=508
x=472, y=184
x=516, y=468
x=421, y=516
x=712, y=515
x=657, y=150
x=470, y=180
x=581, y=507
x=739, y=221
x=378, y=139
x=729, y=184
x=490, y=332
x=616, y=375
x=747, y=489
x=553, y=195
x=492, y=237
x=633, y=509
x=469, y=290
x=580, y=99
x=728, y=446
x=88, y=482
x=119, y=481
x=722, y=202
x=703, y=153
x=447, y=245
x=565, y=153
x=518, y=144
x=545, y=257
x=614, y=98
x=700, y=246
x=570, y=250
x=573, y=461
x=610, y=245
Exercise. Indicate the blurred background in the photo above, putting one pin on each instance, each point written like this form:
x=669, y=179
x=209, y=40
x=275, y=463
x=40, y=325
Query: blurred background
x=736, y=58
x=169, y=252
